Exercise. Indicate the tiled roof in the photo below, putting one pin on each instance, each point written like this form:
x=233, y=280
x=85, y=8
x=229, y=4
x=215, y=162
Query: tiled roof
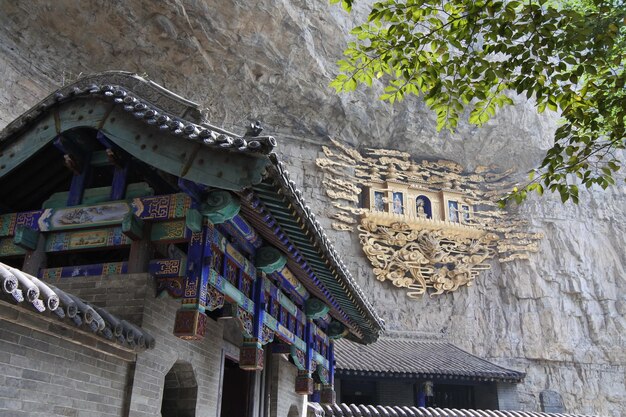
x=28, y=291
x=417, y=358
x=149, y=103
x=345, y=410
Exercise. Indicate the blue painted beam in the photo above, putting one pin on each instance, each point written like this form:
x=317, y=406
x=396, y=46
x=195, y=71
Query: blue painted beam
x=258, y=296
x=331, y=362
x=118, y=187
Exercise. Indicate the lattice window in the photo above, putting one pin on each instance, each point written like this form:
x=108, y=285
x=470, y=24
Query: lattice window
x=231, y=272
x=217, y=261
x=246, y=284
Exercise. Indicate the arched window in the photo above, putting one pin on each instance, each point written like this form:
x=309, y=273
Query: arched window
x=423, y=207
x=180, y=391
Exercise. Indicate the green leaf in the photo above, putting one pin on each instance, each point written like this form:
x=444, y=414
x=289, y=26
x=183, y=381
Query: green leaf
x=566, y=56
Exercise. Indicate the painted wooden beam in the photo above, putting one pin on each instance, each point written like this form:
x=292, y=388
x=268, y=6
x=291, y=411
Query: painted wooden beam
x=98, y=195
x=162, y=207
x=292, y=285
x=284, y=300
x=173, y=231
x=110, y=268
x=9, y=222
x=86, y=239
x=165, y=268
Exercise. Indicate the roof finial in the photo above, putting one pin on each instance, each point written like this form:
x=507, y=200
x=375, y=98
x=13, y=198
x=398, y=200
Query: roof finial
x=254, y=129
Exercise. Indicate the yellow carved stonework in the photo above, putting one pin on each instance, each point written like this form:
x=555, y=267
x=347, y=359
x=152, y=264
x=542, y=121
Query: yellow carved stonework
x=427, y=226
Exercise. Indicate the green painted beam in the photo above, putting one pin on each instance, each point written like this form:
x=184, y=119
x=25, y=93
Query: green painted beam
x=26, y=237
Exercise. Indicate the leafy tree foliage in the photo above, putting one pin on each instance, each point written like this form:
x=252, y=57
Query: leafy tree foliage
x=567, y=56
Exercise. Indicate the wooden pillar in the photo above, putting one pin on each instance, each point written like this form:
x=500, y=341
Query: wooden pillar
x=304, y=380
x=268, y=260
x=191, y=319
x=118, y=187
x=79, y=162
x=36, y=258
x=120, y=170
x=251, y=353
x=328, y=395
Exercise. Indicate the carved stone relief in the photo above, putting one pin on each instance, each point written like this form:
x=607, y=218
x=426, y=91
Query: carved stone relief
x=427, y=226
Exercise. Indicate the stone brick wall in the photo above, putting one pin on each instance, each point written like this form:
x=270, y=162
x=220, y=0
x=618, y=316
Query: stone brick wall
x=507, y=397
x=44, y=375
x=132, y=297
x=284, y=402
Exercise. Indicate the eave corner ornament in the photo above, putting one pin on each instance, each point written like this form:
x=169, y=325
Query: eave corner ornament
x=425, y=226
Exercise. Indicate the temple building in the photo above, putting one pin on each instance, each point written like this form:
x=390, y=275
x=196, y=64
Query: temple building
x=423, y=371
x=154, y=264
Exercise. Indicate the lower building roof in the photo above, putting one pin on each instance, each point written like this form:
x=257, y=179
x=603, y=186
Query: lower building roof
x=32, y=295
x=417, y=357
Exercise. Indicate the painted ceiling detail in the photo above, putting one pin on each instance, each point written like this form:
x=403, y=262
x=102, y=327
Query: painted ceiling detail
x=426, y=226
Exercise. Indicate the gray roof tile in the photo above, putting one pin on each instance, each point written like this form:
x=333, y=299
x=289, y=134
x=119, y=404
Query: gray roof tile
x=414, y=357
x=21, y=288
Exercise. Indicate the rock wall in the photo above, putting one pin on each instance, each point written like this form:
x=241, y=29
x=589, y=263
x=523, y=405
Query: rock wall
x=560, y=317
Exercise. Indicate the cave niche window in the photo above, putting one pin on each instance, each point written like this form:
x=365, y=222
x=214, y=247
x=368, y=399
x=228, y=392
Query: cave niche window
x=180, y=391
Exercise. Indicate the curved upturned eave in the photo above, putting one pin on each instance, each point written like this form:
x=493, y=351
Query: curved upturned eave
x=149, y=122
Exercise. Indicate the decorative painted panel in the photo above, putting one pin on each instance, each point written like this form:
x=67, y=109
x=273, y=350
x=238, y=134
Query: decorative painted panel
x=163, y=207
x=8, y=222
x=86, y=239
x=111, y=268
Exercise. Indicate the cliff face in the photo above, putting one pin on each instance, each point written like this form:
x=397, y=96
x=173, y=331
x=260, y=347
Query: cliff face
x=560, y=316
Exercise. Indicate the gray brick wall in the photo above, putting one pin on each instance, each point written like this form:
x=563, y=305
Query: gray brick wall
x=122, y=295
x=507, y=396
x=132, y=297
x=43, y=375
x=284, y=402
x=46, y=375
x=204, y=356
